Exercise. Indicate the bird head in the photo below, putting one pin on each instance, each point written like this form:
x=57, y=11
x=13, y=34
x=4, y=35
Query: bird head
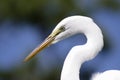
x=66, y=28
x=60, y=32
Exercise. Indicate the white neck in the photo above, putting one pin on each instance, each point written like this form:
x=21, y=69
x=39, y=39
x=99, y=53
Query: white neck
x=80, y=54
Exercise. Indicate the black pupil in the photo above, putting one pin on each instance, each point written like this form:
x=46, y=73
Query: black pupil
x=62, y=28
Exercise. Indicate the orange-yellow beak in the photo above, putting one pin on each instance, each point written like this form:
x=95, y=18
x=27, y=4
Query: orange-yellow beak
x=43, y=45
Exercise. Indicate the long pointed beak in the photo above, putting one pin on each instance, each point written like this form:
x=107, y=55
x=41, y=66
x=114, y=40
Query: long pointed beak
x=48, y=41
x=43, y=45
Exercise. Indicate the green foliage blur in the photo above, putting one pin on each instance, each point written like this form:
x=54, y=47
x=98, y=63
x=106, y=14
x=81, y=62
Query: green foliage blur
x=46, y=13
x=49, y=12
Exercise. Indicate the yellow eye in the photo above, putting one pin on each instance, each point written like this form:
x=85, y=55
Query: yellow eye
x=62, y=28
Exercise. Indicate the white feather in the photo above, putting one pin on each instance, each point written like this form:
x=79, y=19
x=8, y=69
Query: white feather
x=107, y=75
x=81, y=53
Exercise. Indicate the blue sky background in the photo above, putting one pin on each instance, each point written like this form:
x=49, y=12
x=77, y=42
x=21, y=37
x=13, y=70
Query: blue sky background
x=17, y=40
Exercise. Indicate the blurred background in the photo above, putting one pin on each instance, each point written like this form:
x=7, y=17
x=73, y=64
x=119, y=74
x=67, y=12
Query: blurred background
x=24, y=24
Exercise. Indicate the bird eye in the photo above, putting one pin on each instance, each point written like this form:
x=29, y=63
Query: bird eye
x=62, y=28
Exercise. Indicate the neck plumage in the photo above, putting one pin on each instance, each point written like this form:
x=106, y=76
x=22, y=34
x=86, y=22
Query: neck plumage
x=80, y=54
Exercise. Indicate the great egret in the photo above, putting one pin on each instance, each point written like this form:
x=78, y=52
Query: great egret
x=80, y=53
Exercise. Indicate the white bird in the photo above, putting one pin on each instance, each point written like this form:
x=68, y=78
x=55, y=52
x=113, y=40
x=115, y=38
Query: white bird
x=80, y=53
